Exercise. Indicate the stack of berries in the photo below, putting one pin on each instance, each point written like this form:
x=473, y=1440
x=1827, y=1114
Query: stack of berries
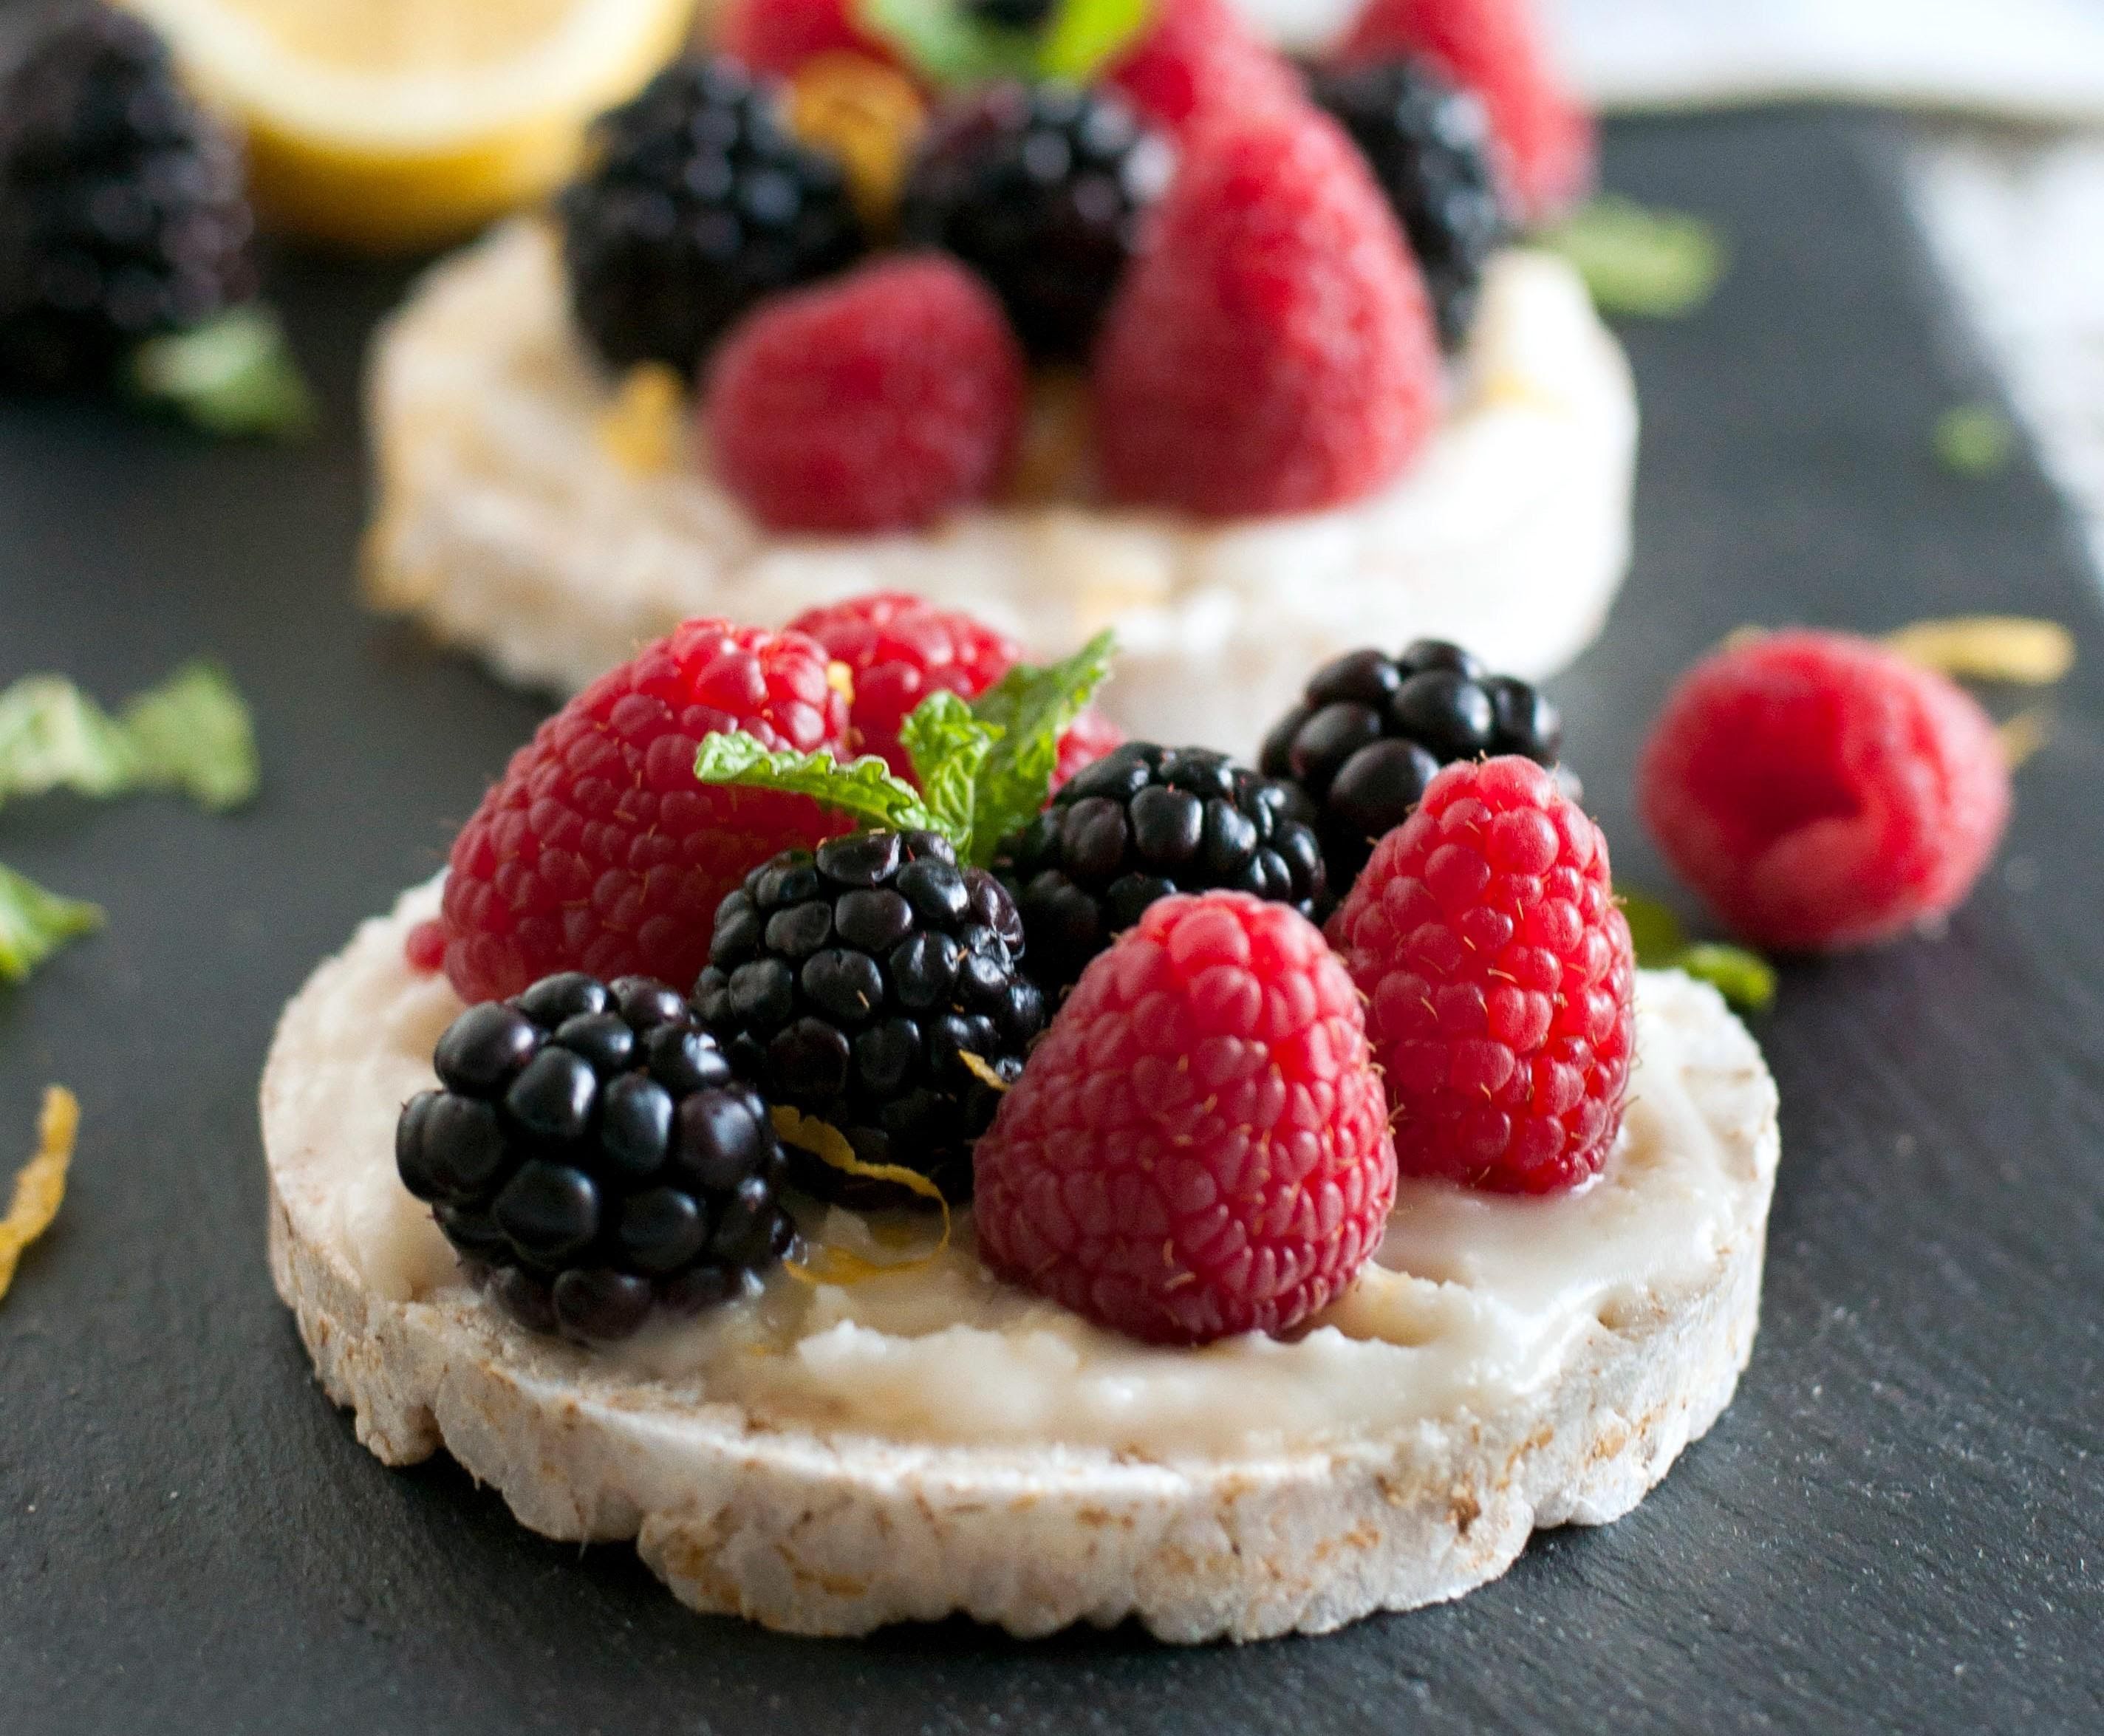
x=867, y=249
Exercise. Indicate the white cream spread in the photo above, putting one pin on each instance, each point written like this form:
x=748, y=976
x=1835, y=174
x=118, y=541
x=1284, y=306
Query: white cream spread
x=507, y=525
x=1472, y=1300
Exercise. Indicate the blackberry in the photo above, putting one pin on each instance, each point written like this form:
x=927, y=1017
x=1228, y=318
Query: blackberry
x=591, y=1153
x=699, y=203
x=852, y=981
x=1371, y=730
x=121, y=214
x=1039, y=187
x=1144, y=822
x=1429, y=145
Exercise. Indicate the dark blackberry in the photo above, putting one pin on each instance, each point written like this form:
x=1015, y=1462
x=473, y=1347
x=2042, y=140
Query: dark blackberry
x=1430, y=148
x=1371, y=730
x=699, y=203
x=121, y=213
x=1144, y=822
x=852, y=981
x=592, y=1154
x=1039, y=187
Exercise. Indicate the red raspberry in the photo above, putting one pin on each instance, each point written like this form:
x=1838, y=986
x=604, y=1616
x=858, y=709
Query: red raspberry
x=597, y=851
x=1821, y=792
x=1272, y=350
x=1198, y=1145
x=899, y=649
x=1198, y=58
x=779, y=36
x=1498, y=978
x=879, y=401
x=1496, y=49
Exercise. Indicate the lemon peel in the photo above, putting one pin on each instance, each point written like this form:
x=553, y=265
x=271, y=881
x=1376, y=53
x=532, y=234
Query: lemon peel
x=2023, y=736
x=831, y=1265
x=976, y=1065
x=2019, y=649
x=40, y=1187
x=639, y=429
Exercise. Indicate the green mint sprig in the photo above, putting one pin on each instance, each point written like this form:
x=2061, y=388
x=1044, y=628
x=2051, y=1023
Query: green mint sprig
x=947, y=44
x=1745, y=979
x=983, y=769
x=233, y=376
x=191, y=734
x=1648, y=263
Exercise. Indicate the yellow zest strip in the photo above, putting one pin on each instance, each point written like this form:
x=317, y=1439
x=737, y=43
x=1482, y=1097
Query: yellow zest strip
x=976, y=1065
x=41, y=1186
x=1989, y=647
x=838, y=1265
x=2024, y=735
x=640, y=428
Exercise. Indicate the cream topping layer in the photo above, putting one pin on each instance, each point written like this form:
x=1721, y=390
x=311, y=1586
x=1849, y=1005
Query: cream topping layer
x=506, y=524
x=1473, y=1300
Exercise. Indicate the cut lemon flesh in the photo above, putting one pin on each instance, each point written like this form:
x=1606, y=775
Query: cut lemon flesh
x=406, y=123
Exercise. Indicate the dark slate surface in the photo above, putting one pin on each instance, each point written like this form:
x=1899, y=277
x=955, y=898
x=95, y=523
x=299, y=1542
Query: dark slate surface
x=1897, y=1526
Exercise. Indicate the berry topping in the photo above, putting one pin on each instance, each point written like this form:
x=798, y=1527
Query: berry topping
x=899, y=649
x=1198, y=59
x=597, y=850
x=1199, y=1146
x=880, y=402
x=1821, y=792
x=1371, y=731
x=1271, y=350
x=777, y=37
x=699, y=203
x=1429, y=146
x=1141, y=823
x=1038, y=188
x=854, y=983
x=122, y=214
x=1494, y=48
x=1499, y=979
x=590, y=1156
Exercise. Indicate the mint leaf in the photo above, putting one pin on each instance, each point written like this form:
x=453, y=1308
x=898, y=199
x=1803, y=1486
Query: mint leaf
x=192, y=733
x=1974, y=440
x=1087, y=33
x=941, y=40
x=233, y=376
x=1744, y=979
x=1031, y=707
x=53, y=736
x=34, y=923
x=1659, y=936
x=864, y=788
x=1657, y=264
x=949, y=747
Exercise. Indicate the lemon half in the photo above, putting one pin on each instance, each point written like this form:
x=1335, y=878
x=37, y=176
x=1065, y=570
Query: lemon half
x=395, y=124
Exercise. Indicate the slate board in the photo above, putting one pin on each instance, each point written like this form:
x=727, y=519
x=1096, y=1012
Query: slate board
x=1896, y=1525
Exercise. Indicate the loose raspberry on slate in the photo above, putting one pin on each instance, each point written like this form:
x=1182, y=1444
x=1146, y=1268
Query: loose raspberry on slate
x=779, y=36
x=1497, y=49
x=1199, y=58
x=899, y=648
x=1273, y=350
x=1821, y=792
x=1199, y=1144
x=599, y=851
x=879, y=401
x=1499, y=979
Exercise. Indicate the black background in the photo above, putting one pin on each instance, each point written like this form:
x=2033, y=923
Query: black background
x=1895, y=1526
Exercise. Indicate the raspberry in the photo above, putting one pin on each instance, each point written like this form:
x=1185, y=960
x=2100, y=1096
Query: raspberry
x=1494, y=48
x=877, y=402
x=1498, y=978
x=779, y=36
x=1821, y=792
x=899, y=650
x=1199, y=1146
x=1199, y=58
x=599, y=851
x=1272, y=351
